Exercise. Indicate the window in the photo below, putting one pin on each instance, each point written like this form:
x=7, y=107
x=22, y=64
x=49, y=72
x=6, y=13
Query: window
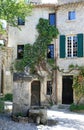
x=21, y=21
x=52, y=19
x=71, y=46
x=49, y=88
x=20, y=51
x=71, y=15
x=50, y=53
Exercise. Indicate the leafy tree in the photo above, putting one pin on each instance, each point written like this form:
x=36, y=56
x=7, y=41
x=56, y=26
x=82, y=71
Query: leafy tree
x=10, y=10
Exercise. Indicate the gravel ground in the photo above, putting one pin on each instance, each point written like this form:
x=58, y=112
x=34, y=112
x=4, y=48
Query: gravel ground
x=65, y=119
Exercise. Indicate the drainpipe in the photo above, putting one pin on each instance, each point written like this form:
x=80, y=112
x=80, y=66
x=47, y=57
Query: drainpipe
x=56, y=57
x=55, y=72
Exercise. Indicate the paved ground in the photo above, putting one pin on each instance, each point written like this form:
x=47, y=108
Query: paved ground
x=64, y=120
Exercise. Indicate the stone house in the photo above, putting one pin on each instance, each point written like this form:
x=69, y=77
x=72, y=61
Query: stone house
x=68, y=49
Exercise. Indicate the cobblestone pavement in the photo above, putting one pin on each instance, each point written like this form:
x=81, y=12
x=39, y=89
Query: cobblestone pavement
x=66, y=120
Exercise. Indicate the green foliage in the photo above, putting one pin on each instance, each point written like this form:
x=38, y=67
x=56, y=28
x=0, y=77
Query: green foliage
x=19, y=114
x=35, y=55
x=78, y=84
x=8, y=97
x=1, y=106
x=74, y=107
x=10, y=10
x=2, y=31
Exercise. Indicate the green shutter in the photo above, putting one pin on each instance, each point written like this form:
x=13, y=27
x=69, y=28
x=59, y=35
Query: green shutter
x=62, y=46
x=80, y=45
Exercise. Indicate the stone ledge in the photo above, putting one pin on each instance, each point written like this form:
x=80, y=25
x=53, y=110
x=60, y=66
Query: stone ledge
x=19, y=119
x=79, y=111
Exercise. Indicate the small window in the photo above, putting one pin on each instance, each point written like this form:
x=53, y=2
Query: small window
x=49, y=87
x=71, y=15
x=20, y=51
x=50, y=52
x=21, y=21
x=52, y=19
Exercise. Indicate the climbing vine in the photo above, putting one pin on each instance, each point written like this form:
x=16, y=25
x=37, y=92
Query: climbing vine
x=78, y=84
x=35, y=56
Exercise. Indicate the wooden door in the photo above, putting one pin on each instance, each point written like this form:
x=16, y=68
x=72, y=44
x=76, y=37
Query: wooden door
x=67, y=91
x=35, y=93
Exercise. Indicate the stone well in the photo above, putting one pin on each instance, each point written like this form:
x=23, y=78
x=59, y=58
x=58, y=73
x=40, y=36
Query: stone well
x=21, y=93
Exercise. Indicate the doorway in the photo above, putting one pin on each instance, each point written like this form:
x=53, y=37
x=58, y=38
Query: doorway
x=67, y=90
x=35, y=93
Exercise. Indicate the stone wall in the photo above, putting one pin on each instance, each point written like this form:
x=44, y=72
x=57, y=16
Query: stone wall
x=60, y=2
x=68, y=27
x=5, y=66
x=16, y=36
x=22, y=92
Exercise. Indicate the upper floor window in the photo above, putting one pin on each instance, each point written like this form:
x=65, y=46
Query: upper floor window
x=50, y=53
x=71, y=46
x=71, y=15
x=52, y=19
x=20, y=51
x=21, y=21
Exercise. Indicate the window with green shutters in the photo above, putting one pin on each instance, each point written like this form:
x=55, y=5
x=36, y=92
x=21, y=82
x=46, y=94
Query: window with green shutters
x=62, y=46
x=80, y=45
x=71, y=46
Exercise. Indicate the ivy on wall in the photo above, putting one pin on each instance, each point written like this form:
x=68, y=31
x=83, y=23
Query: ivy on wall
x=35, y=56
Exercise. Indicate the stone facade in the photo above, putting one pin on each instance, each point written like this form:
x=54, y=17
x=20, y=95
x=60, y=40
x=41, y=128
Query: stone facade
x=22, y=92
x=68, y=28
x=6, y=78
x=28, y=34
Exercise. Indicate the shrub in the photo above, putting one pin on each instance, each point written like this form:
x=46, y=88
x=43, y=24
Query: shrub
x=1, y=106
x=76, y=107
x=8, y=97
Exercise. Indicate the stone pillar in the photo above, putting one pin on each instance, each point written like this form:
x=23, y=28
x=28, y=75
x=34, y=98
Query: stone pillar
x=21, y=93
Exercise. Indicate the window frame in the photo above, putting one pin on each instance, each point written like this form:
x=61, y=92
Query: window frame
x=49, y=88
x=72, y=15
x=18, y=55
x=21, y=22
x=72, y=47
x=54, y=19
x=50, y=48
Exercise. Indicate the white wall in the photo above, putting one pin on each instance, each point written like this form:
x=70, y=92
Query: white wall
x=28, y=34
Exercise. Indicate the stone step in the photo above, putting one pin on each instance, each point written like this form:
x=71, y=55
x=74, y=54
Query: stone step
x=63, y=106
x=60, y=106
